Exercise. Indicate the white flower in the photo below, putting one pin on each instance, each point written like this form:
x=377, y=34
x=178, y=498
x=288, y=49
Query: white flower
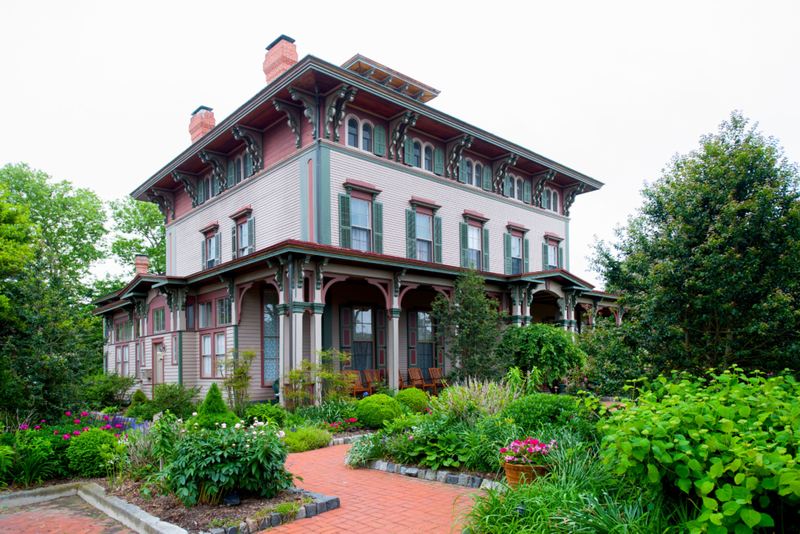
x=241, y=422
x=247, y=446
x=224, y=425
x=217, y=424
x=237, y=426
x=194, y=414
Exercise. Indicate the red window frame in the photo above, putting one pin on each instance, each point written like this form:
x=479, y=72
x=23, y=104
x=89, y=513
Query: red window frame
x=212, y=333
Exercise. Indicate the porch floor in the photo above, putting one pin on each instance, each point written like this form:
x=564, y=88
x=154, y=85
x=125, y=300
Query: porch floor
x=374, y=501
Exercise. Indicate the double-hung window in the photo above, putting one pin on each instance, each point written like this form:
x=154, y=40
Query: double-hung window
x=352, y=133
x=243, y=233
x=243, y=238
x=474, y=241
x=205, y=314
x=159, y=322
x=428, y=159
x=366, y=137
x=516, y=255
x=516, y=249
x=424, y=237
x=475, y=250
x=360, y=224
x=211, y=252
x=223, y=311
x=212, y=353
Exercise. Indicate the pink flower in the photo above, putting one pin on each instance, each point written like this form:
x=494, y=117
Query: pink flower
x=76, y=433
x=67, y=414
x=56, y=432
x=85, y=429
x=66, y=436
x=116, y=435
x=37, y=427
x=119, y=426
x=105, y=417
x=410, y=438
x=84, y=414
x=77, y=421
x=23, y=427
x=42, y=420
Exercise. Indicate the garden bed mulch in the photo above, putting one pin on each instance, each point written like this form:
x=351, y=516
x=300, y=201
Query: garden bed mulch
x=201, y=516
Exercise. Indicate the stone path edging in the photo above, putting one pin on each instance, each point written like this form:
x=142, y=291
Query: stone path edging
x=442, y=475
x=129, y=515
x=346, y=440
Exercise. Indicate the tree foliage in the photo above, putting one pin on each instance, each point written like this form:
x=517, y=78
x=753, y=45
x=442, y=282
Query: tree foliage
x=470, y=326
x=709, y=269
x=139, y=228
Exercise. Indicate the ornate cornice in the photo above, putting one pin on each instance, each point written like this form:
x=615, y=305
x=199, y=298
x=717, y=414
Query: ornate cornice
x=539, y=180
x=569, y=197
x=335, y=112
x=399, y=130
x=253, y=143
x=454, y=150
x=219, y=167
x=189, y=182
x=309, y=107
x=501, y=171
x=292, y=116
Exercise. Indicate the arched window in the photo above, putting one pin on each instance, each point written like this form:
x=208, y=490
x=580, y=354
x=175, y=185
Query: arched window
x=469, y=173
x=417, y=155
x=352, y=133
x=478, y=175
x=546, y=201
x=238, y=171
x=519, y=189
x=366, y=137
x=555, y=202
x=428, y=159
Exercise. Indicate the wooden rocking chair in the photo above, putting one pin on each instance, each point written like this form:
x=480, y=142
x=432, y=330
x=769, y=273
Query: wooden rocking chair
x=437, y=377
x=357, y=386
x=373, y=376
x=418, y=381
x=401, y=385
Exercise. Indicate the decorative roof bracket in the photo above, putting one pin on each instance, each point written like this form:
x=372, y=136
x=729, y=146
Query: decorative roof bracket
x=219, y=167
x=538, y=185
x=309, y=107
x=501, y=171
x=399, y=128
x=335, y=110
x=454, y=150
x=253, y=143
x=189, y=182
x=292, y=116
x=168, y=199
x=569, y=197
x=158, y=201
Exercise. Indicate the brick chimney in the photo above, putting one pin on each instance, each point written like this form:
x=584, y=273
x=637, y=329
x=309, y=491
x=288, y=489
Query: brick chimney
x=202, y=122
x=141, y=263
x=281, y=55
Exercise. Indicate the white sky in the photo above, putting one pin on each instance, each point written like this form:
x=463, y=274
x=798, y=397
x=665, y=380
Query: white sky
x=101, y=94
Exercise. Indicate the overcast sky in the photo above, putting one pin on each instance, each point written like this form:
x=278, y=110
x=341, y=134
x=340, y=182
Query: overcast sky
x=100, y=93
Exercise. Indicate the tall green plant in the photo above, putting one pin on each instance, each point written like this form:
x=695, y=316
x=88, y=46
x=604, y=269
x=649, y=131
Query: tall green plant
x=237, y=381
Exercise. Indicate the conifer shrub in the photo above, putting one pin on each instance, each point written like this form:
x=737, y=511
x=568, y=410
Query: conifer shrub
x=415, y=399
x=138, y=398
x=84, y=452
x=213, y=412
x=375, y=410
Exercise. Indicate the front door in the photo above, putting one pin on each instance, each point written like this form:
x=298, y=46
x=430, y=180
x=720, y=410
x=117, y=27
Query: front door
x=158, y=363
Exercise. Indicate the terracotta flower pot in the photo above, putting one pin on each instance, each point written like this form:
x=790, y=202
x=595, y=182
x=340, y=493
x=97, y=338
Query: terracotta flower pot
x=516, y=472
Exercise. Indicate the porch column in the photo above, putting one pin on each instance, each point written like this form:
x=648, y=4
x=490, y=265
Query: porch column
x=316, y=345
x=394, y=346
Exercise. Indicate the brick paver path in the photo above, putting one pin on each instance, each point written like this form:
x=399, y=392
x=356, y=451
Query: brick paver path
x=70, y=515
x=373, y=501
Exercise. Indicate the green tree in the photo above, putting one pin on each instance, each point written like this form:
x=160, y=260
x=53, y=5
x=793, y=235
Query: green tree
x=709, y=269
x=139, y=228
x=16, y=235
x=470, y=326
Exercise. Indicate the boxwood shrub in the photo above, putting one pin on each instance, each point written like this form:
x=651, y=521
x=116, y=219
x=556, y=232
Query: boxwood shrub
x=414, y=398
x=374, y=410
x=84, y=452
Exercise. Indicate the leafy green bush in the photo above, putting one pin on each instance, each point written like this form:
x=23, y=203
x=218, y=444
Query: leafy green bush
x=59, y=445
x=473, y=399
x=213, y=412
x=375, y=410
x=533, y=411
x=307, y=438
x=176, y=398
x=414, y=398
x=266, y=412
x=138, y=398
x=487, y=436
x=208, y=465
x=84, y=452
x=34, y=460
x=328, y=412
x=106, y=389
x=727, y=444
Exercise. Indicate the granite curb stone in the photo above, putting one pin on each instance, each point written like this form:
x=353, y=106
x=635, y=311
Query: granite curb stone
x=443, y=476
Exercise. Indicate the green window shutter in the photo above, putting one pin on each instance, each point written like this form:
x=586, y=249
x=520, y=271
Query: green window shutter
x=525, y=249
x=377, y=228
x=462, y=171
x=201, y=191
x=344, y=221
x=233, y=241
x=346, y=333
x=507, y=186
x=203, y=254
x=231, y=176
x=561, y=257
x=251, y=235
x=486, y=264
x=526, y=194
x=248, y=166
x=545, y=264
x=411, y=234
x=464, y=235
x=218, y=247
x=507, y=252
x=437, y=239
x=412, y=338
x=487, y=178
x=408, y=152
x=379, y=145
x=438, y=161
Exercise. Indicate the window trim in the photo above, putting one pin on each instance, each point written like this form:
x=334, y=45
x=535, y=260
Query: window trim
x=472, y=223
x=163, y=311
x=265, y=289
x=220, y=308
x=370, y=229
x=212, y=333
x=428, y=213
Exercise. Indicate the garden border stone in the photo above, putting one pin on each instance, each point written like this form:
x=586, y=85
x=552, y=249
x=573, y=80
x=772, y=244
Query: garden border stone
x=444, y=476
x=346, y=440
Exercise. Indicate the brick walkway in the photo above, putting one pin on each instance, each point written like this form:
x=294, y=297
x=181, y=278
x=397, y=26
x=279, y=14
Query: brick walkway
x=373, y=501
x=70, y=515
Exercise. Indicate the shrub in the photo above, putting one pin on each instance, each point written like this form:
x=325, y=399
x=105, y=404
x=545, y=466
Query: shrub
x=484, y=439
x=138, y=398
x=176, y=398
x=473, y=400
x=307, y=438
x=727, y=444
x=59, y=446
x=532, y=412
x=237, y=381
x=209, y=465
x=34, y=460
x=84, y=452
x=265, y=412
x=414, y=398
x=106, y=389
x=329, y=411
x=213, y=412
x=375, y=410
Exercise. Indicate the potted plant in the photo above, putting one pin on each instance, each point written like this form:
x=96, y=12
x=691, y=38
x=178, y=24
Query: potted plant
x=525, y=460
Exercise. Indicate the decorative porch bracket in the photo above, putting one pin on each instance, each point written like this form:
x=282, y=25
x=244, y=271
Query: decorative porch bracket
x=219, y=167
x=398, y=278
x=500, y=168
x=399, y=128
x=320, y=268
x=455, y=148
x=242, y=290
x=279, y=272
x=301, y=271
x=569, y=197
x=444, y=290
x=539, y=181
x=383, y=285
x=334, y=114
x=253, y=144
x=189, y=182
x=292, y=118
x=309, y=107
x=332, y=280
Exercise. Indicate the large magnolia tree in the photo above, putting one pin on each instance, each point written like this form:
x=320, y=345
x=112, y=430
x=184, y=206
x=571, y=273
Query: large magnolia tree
x=709, y=268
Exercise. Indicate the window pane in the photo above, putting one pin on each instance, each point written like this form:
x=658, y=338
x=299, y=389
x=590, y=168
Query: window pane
x=516, y=247
x=359, y=210
x=474, y=235
x=362, y=317
x=271, y=339
x=424, y=327
x=417, y=155
x=428, y=159
x=555, y=202
x=352, y=133
x=366, y=138
x=475, y=259
x=552, y=259
x=519, y=189
x=516, y=265
x=242, y=232
x=270, y=314
x=424, y=226
x=469, y=173
x=361, y=239
x=424, y=250
x=190, y=316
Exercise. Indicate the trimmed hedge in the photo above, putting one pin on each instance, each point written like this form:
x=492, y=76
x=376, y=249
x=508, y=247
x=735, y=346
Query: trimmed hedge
x=415, y=399
x=374, y=410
